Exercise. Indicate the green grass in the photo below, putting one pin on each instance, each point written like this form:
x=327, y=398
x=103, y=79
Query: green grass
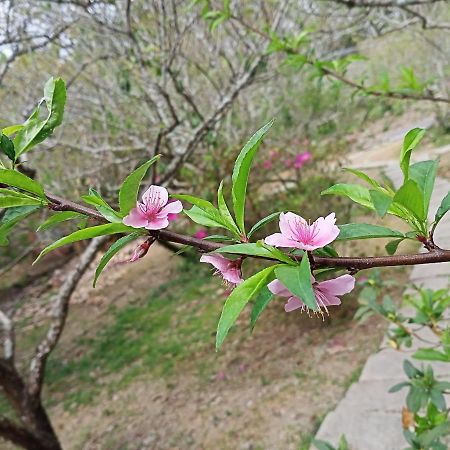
x=168, y=328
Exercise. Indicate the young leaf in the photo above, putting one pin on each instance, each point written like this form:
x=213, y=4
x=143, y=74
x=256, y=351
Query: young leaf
x=241, y=173
x=11, y=218
x=297, y=279
x=21, y=181
x=424, y=174
x=262, y=300
x=253, y=249
x=381, y=201
x=7, y=146
x=411, y=197
x=8, y=131
x=355, y=192
x=391, y=247
x=412, y=138
x=442, y=210
x=203, y=218
x=36, y=130
x=237, y=300
x=86, y=233
x=57, y=218
x=263, y=222
x=224, y=211
x=115, y=248
x=128, y=193
x=11, y=199
x=361, y=175
x=365, y=231
x=430, y=354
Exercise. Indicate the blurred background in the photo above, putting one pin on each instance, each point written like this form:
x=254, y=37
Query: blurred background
x=192, y=80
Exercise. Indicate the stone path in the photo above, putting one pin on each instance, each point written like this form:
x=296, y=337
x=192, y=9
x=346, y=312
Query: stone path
x=368, y=415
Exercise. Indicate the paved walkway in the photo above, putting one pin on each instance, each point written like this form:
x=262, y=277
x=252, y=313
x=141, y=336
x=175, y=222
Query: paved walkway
x=368, y=415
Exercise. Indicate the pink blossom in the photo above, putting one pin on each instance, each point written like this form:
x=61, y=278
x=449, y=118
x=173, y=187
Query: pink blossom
x=141, y=250
x=154, y=210
x=267, y=164
x=326, y=292
x=201, y=234
x=301, y=159
x=228, y=269
x=297, y=233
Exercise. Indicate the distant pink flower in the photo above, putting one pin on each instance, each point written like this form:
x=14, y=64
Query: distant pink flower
x=288, y=162
x=228, y=269
x=154, y=210
x=267, y=164
x=301, y=159
x=297, y=233
x=201, y=234
x=326, y=292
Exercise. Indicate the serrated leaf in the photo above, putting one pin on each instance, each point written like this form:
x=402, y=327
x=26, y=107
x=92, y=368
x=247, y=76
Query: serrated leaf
x=297, y=279
x=86, y=233
x=21, y=181
x=241, y=172
x=57, y=218
x=113, y=250
x=365, y=231
x=237, y=300
x=412, y=138
x=129, y=191
x=262, y=300
x=354, y=192
x=36, y=130
x=263, y=222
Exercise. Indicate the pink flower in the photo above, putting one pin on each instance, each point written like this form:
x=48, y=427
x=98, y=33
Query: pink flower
x=297, y=233
x=267, y=164
x=301, y=159
x=326, y=292
x=201, y=234
x=230, y=270
x=141, y=250
x=154, y=210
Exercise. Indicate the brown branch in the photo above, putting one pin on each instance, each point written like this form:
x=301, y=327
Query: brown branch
x=384, y=4
x=350, y=263
x=17, y=434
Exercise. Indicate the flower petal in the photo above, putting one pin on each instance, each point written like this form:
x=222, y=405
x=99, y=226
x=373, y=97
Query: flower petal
x=277, y=288
x=289, y=224
x=232, y=275
x=171, y=208
x=337, y=286
x=327, y=231
x=280, y=240
x=157, y=224
x=218, y=261
x=155, y=195
x=135, y=219
x=292, y=304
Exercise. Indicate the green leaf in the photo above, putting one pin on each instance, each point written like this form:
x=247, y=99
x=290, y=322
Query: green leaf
x=430, y=354
x=263, y=222
x=381, y=201
x=322, y=445
x=355, y=192
x=7, y=147
x=36, y=130
x=391, y=247
x=224, y=211
x=414, y=399
x=8, y=131
x=365, y=231
x=241, y=173
x=442, y=210
x=412, y=138
x=411, y=197
x=297, y=279
x=237, y=300
x=252, y=249
x=128, y=193
x=115, y=248
x=202, y=218
x=262, y=300
x=21, y=181
x=11, y=218
x=57, y=218
x=363, y=177
x=424, y=174
x=11, y=199
x=428, y=437
x=398, y=386
x=86, y=233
